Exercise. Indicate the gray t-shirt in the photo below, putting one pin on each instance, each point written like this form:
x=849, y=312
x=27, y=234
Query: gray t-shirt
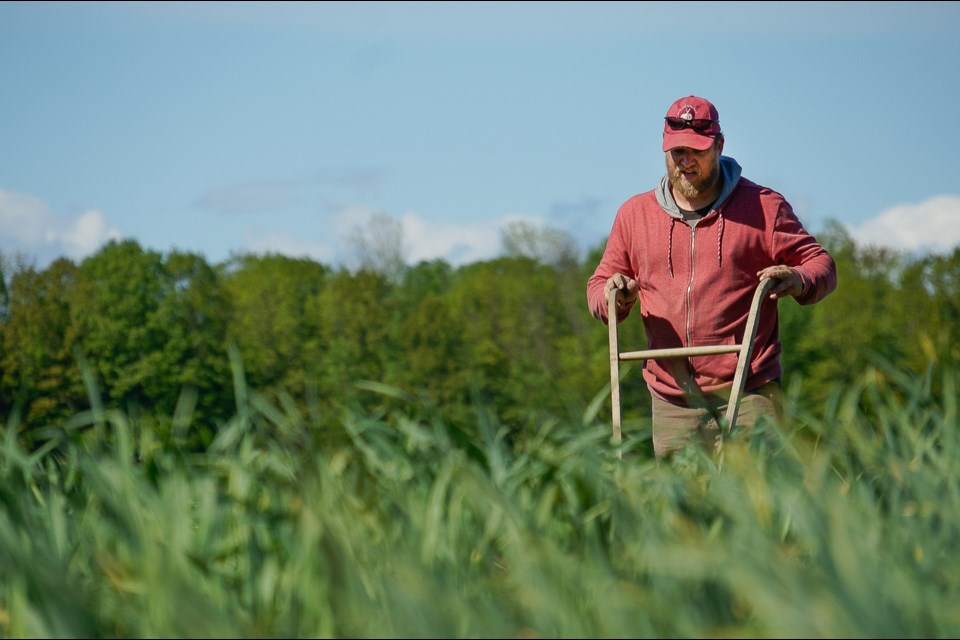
x=693, y=217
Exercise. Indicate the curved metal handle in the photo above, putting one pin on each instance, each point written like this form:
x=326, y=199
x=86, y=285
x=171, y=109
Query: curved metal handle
x=744, y=351
x=613, y=336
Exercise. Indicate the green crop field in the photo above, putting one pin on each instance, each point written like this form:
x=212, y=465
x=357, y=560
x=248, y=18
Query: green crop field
x=841, y=523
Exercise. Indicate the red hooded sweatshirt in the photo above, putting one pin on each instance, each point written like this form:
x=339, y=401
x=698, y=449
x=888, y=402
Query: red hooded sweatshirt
x=696, y=282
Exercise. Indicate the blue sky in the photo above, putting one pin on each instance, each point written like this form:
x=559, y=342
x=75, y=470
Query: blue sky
x=282, y=127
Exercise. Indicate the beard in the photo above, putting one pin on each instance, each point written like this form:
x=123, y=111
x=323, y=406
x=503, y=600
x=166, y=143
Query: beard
x=692, y=190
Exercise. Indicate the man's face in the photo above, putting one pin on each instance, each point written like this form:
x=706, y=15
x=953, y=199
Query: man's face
x=693, y=173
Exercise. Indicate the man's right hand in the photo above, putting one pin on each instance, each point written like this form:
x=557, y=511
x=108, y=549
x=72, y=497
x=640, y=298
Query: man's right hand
x=626, y=290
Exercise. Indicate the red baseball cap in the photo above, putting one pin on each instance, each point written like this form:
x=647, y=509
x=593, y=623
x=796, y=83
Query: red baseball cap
x=690, y=122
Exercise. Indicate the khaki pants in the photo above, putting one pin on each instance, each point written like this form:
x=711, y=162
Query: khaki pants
x=676, y=427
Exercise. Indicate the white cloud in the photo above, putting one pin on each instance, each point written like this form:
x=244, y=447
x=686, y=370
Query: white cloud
x=30, y=228
x=83, y=236
x=24, y=220
x=458, y=244
x=929, y=226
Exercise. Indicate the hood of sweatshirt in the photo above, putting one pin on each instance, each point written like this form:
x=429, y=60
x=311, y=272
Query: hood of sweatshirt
x=730, y=169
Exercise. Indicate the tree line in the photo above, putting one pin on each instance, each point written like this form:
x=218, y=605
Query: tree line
x=169, y=338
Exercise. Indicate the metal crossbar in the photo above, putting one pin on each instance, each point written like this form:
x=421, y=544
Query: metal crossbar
x=743, y=349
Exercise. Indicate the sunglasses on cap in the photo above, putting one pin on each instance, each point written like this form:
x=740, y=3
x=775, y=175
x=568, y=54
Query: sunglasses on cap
x=700, y=125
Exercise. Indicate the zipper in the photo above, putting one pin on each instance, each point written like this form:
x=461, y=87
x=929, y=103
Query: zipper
x=689, y=301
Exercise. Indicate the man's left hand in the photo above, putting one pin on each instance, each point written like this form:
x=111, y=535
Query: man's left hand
x=790, y=283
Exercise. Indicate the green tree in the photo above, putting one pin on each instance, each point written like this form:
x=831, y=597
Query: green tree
x=193, y=365
x=118, y=291
x=38, y=362
x=928, y=306
x=153, y=331
x=353, y=340
x=272, y=321
x=512, y=324
x=432, y=355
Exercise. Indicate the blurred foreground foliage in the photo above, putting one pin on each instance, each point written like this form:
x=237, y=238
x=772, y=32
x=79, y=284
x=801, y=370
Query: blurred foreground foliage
x=842, y=522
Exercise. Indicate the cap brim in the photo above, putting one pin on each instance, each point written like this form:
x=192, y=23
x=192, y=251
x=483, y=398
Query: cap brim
x=686, y=138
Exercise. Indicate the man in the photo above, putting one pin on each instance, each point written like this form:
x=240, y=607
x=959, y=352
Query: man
x=692, y=252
